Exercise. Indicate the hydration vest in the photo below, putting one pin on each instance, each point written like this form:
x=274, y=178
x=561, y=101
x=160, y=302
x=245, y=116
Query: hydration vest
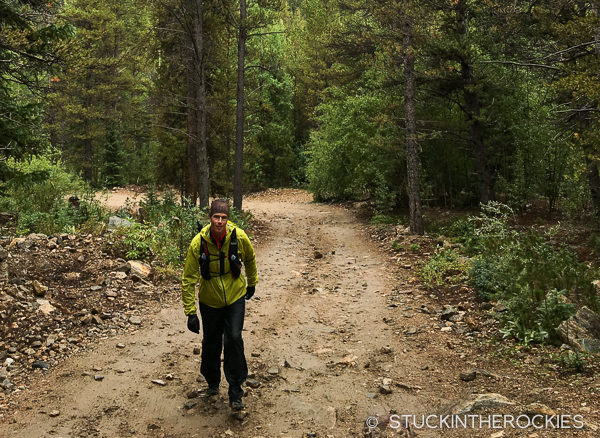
x=235, y=264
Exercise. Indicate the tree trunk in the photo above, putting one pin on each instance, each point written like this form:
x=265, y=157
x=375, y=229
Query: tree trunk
x=592, y=164
x=473, y=112
x=197, y=172
x=593, y=179
x=88, y=155
x=239, y=116
x=412, y=147
x=191, y=180
x=202, y=150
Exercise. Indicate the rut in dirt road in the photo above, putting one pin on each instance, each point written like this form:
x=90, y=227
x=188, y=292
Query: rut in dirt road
x=325, y=341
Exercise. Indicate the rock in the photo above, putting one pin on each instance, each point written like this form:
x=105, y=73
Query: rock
x=240, y=415
x=194, y=393
x=45, y=306
x=468, y=376
x=385, y=389
x=139, y=269
x=387, y=350
x=39, y=289
x=72, y=276
x=36, y=344
x=98, y=377
x=446, y=329
x=448, y=312
x=122, y=266
x=477, y=401
x=274, y=371
x=95, y=288
x=136, y=320
x=189, y=405
x=159, y=382
x=116, y=222
x=110, y=293
x=533, y=409
x=318, y=255
x=119, y=345
x=581, y=331
x=54, y=413
x=500, y=307
x=412, y=330
x=40, y=364
x=348, y=360
x=3, y=254
x=253, y=383
x=20, y=242
x=196, y=350
x=6, y=384
x=119, y=275
x=50, y=340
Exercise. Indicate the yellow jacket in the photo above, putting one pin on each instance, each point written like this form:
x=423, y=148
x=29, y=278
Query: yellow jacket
x=220, y=290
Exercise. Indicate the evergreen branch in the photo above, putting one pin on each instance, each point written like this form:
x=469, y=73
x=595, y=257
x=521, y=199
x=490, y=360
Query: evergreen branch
x=589, y=43
x=521, y=64
x=265, y=33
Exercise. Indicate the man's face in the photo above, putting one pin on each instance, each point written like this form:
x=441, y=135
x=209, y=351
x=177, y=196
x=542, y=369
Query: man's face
x=218, y=222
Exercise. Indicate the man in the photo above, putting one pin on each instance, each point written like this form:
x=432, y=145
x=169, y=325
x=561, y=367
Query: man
x=214, y=258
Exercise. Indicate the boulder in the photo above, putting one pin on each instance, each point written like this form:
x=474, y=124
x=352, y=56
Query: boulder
x=139, y=269
x=116, y=222
x=581, y=331
x=476, y=402
x=39, y=289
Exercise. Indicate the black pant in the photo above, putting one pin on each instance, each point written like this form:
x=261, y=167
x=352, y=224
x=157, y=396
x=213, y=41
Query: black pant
x=222, y=330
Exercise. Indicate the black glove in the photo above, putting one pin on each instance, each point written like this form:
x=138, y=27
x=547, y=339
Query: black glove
x=193, y=323
x=250, y=292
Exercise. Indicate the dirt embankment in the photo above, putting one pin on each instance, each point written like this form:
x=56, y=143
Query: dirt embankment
x=338, y=334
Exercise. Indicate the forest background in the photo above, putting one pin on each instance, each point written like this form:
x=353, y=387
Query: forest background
x=439, y=103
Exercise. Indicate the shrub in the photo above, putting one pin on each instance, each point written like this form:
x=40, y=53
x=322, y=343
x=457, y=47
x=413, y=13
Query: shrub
x=166, y=229
x=529, y=275
x=447, y=267
x=38, y=191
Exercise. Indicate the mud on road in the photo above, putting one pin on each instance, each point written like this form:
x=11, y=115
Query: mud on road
x=335, y=334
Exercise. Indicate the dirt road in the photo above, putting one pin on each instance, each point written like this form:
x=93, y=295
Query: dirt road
x=328, y=325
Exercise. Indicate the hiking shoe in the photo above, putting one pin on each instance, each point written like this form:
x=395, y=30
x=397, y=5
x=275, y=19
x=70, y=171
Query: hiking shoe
x=236, y=405
x=212, y=390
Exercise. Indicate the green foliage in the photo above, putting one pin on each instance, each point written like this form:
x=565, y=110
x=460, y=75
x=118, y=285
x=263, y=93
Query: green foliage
x=531, y=276
x=396, y=246
x=138, y=241
x=32, y=33
x=348, y=156
x=384, y=219
x=113, y=158
x=573, y=361
x=164, y=229
x=463, y=231
x=38, y=192
x=445, y=268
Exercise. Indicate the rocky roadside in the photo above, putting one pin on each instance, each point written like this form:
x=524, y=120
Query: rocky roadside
x=58, y=294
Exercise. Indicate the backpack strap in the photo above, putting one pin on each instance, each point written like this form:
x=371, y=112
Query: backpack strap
x=235, y=264
x=204, y=260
